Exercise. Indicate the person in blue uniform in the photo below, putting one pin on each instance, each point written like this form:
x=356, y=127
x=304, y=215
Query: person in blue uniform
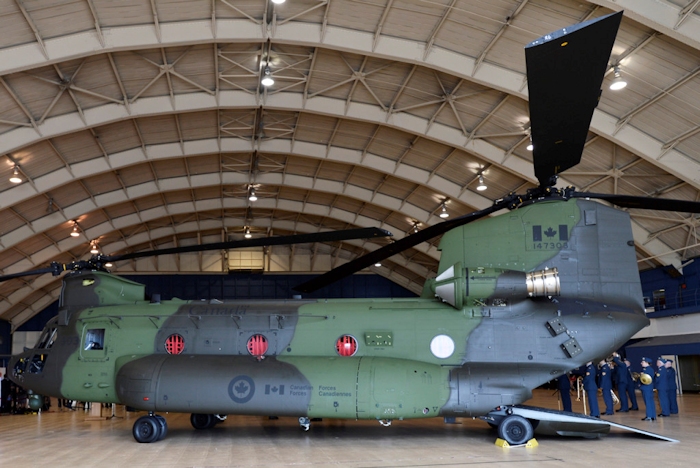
x=623, y=379
x=661, y=386
x=591, y=389
x=648, y=390
x=672, y=386
x=605, y=381
x=625, y=385
x=631, y=387
x=564, y=386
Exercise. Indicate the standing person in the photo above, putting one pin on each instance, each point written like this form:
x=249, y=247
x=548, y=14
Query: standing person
x=564, y=386
x=591, y=389
x=632, y=385
x=661, y=386
x=672, y=386
x=5, y=394
x=648, y=389
x=605, y=379
x=2, y=393
x=623, y=380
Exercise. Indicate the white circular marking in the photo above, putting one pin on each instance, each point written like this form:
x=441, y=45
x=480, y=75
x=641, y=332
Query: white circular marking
x=442, y=346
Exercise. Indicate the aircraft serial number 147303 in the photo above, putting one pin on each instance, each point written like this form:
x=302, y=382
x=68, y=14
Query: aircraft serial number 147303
x=519, y=299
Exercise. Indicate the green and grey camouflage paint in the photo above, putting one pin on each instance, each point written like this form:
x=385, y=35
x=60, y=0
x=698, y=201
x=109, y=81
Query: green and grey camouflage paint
x=497, y=331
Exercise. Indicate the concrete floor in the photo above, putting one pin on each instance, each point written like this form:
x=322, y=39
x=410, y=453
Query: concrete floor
x=65, y=438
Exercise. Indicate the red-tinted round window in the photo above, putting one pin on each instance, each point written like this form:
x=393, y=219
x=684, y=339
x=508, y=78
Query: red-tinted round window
x=257, y=345
x=174, y=344
x=346, y=345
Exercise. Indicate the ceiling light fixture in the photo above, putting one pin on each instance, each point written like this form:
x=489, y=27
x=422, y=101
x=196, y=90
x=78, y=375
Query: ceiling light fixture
x=247, y=234
x=530, y=146
x=618, y=82
x=378, y=264
x=252, y=196
x=16, y=179
x=444, y=213
x=267, y=78
x=75, y=232
x=93, y=248
x=278, y=2
x=109, y=265
x=415, y=226
x=482, y=185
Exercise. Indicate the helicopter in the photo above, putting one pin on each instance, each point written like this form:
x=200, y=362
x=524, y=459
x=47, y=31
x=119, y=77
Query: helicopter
x=545, y=285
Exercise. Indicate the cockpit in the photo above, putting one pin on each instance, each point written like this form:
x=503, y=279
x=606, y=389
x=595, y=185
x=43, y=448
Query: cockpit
x=34, y=360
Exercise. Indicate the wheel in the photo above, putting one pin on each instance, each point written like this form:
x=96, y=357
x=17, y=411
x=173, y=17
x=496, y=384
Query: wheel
x=515, y=430
x=146, y=429
x=163, y=425
x=202, y=421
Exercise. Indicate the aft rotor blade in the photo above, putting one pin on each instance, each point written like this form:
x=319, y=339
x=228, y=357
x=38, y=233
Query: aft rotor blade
x=565, y=71
x=387, y=251
x=643, y=203
x=330, y=236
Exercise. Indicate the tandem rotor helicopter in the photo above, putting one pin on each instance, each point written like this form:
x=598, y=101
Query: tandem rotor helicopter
x=519, y=299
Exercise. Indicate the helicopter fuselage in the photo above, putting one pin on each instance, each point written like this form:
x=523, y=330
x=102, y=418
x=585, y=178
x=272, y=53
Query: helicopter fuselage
x=510, y=314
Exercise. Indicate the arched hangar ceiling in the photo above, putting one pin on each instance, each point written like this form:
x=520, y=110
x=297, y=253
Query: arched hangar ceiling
x=145, y=122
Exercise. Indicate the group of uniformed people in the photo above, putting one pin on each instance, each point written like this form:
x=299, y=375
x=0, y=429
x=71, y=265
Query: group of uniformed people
x=618, y=371
x=664, y=381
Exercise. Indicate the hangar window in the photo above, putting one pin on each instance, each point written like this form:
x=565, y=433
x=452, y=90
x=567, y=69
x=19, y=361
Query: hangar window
x=174, y=344
x=95, y=338
x=659, y=299
x=346, y=345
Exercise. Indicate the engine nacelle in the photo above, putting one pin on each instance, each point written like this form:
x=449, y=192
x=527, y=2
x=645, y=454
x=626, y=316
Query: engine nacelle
x=461, y=287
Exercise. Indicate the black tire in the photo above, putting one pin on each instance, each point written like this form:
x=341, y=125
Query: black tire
x=146, y=429
x=515, y=430
x=202, y=421
x=163, y=426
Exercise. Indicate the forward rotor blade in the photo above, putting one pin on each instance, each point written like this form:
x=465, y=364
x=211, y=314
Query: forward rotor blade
x=330, y=236
x=387, y=251
x=565, y=70
x=55, y=269
x=643, y=203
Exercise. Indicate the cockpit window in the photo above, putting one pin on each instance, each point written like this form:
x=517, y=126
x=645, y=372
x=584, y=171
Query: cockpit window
x=48, y=336
x=95, y=338
x=36, y=365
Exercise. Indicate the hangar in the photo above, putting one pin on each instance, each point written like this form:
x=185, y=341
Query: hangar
x=146, y=124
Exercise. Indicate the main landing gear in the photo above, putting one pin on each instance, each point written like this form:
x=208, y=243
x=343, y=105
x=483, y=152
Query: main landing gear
x=153, y=427
x=150, y=428
x=206, y=421
x=515, y=430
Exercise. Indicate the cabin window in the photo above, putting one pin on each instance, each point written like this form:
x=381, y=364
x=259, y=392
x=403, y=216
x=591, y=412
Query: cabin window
x=174, y=344
x=346, y=346
x=95, y=338
x=257, y=345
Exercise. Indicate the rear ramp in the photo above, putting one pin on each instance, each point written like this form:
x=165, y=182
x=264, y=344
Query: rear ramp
x=552, y=422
